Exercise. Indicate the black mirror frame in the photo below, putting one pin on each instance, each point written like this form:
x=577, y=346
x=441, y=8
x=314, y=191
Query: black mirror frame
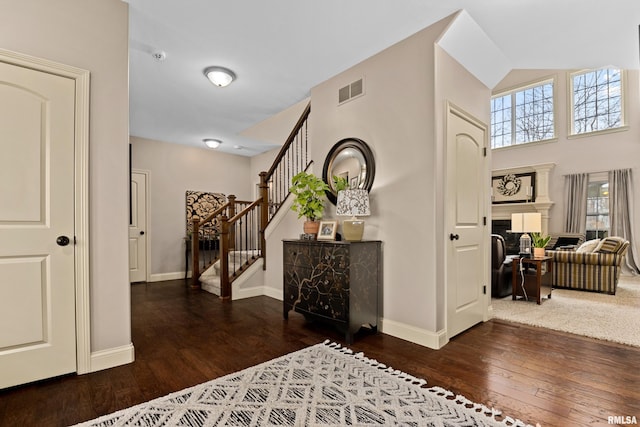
x=363, y=148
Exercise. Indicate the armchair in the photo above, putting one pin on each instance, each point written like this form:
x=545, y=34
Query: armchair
x=500, y=268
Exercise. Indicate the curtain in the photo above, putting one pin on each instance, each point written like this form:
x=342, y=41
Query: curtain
x=620, y=213
x=575, y=186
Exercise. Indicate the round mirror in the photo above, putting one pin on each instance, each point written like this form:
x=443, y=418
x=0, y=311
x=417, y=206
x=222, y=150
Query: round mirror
x=351, y=159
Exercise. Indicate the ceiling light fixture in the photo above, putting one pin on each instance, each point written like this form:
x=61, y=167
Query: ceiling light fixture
x=219, y=76
x=212, y=143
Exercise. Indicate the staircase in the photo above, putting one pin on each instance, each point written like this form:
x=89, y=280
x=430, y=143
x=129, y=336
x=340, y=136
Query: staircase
x=239, y=226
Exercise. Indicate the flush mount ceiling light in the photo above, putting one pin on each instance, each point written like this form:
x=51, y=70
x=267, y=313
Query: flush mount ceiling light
x=219, y=76
x=212, y=143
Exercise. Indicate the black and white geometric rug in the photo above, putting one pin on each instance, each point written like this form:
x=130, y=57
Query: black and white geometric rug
x=322, y=385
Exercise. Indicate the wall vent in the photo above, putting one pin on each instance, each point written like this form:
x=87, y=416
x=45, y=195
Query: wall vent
x=351, y=91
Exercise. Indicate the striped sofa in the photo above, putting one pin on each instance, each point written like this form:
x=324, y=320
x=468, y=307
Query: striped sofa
x=596, y=271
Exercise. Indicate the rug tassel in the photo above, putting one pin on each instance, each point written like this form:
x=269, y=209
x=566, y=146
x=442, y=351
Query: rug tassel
x=459, y=399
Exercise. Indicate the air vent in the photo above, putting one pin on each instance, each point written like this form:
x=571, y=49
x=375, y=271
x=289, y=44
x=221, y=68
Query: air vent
x=351, y=91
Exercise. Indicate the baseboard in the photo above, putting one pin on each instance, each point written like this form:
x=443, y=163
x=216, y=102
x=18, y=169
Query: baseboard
x=248, y=292
x=110, y=358
x=160, y=277
x=434, y=340
x=275, y=293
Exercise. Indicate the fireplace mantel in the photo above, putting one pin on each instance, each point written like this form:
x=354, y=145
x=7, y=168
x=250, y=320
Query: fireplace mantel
x=541, y=204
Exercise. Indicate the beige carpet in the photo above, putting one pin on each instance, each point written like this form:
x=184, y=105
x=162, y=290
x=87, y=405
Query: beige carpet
x=608, y=317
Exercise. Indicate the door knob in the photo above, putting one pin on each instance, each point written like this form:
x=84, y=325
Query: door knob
x=62, y=240
x=142, y=233
x=453, y=236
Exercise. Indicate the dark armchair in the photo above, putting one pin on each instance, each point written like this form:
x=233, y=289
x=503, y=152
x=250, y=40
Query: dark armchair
x=500, y=268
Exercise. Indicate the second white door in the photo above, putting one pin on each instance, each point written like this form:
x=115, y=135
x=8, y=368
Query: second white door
x=138, y=228
x=467, y=261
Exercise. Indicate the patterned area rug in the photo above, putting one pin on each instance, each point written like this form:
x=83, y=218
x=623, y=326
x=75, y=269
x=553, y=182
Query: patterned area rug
x=322, y=385
x=602, y=316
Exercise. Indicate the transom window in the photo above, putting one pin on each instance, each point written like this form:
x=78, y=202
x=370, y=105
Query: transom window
x=596, y=100
x=523, y=115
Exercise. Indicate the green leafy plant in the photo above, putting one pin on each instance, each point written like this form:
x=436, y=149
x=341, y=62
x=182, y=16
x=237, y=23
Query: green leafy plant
x=340, y=183
x=539, y=241
x=308, y=191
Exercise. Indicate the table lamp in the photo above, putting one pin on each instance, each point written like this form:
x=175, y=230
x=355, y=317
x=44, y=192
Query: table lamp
x=353, y=203
x=530, y=222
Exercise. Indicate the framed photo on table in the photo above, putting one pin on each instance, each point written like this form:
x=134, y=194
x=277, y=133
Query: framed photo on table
x=327, y=230
x=514, y=188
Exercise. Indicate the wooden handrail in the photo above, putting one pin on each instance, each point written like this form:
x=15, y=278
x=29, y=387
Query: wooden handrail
x=244, y=211
x=289, y=141
x=214, y=214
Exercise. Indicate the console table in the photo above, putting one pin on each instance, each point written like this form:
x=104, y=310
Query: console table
x=334, y=282
x=537, y=272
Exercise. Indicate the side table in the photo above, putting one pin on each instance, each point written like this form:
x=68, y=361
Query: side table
x=537, y=273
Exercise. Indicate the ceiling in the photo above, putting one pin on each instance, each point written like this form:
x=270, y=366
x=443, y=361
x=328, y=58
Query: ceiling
x=280, y=49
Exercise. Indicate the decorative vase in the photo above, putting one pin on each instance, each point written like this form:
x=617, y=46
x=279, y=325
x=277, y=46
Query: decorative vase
x=311, y=227
x=538, y=252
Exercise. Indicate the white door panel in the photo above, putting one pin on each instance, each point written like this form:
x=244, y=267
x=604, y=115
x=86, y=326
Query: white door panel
x=467, y=261
x=37, y=283
x=138, y=228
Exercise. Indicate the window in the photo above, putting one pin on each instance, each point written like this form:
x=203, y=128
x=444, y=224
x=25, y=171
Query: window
x=597, y=210
x=596, y=100
x=523, y=115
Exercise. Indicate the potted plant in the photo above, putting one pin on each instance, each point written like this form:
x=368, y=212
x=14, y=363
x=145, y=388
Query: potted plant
x=308, y=191
x=539, y=242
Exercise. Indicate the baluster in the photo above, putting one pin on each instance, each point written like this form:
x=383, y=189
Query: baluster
x=225, y=288
x=265, y=216
x=195, y=252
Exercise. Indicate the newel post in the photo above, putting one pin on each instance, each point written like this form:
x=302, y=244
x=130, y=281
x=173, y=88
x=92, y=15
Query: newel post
x=264, y=216
x=225, y=286
x=195, y=252
x=232, y=213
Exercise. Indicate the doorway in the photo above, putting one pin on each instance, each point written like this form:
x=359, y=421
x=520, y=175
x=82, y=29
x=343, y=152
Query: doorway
x=138, y=230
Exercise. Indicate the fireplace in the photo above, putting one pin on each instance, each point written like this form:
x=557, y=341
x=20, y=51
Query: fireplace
x=511, y=240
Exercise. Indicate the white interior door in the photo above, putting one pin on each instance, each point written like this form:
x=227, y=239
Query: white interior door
x=467, y=260
x=138, y=228
x=37, y=283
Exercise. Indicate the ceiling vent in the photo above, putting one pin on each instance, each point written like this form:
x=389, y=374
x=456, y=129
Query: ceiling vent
x=351, y=91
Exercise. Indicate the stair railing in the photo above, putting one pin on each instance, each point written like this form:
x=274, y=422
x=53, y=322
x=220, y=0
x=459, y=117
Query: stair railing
x=242, y=238
x=292, y=158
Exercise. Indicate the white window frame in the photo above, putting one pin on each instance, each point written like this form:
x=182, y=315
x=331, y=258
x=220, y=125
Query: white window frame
x=512, y=91
x=599, y=178
x=570, y=105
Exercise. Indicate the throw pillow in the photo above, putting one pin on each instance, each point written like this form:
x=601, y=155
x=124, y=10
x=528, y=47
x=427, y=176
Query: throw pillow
x=588, y=246
x=609, y=245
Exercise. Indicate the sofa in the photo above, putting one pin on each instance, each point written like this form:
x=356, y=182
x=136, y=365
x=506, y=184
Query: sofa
x=594, y=266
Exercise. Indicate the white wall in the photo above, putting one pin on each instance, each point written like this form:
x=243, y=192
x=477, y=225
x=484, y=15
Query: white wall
x=455, y=85
x=174, y=169
x=74, y=32
x=402, y=120
x=617, y=150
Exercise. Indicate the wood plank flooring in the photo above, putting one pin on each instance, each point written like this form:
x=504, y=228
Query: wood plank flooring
x=184, y=337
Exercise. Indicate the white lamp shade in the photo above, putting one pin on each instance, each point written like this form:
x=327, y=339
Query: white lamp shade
x=529, y=222
x=353, y=203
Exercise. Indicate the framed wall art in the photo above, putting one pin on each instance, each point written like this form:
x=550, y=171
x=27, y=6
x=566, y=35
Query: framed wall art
x=327, y=230
x=514, y=188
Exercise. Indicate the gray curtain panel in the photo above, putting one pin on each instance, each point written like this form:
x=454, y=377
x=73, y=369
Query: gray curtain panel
x=575, y=186
x=620, y=215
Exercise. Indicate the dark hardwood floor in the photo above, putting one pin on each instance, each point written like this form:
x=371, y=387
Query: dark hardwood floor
x=184, y=337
